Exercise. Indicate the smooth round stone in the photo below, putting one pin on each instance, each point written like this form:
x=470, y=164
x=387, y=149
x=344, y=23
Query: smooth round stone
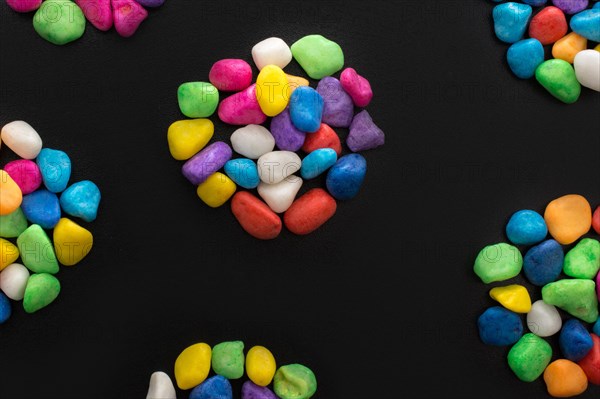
x=526, y=227
x=280, y=196
x=242, y=108
x=81, y=200
x=591, y=363
x=338, y=107
x=9, y=253
x=294, y=381
x=197, y=99
x=206, y=162
x=587, y=65
x=543, y=319
x=325, y=137
x=564, y=379
x=41, y=290
x=271, y=51
x=243, y=172
x=192, y=366
x=161, y=387
x=230, y=75
x=271, y=90
x=37, y=251
x=255, y=217
x=575, y=296
x=529, y=357
x=587, y=24
x=260, y=365
x=306, y=110
x=357, y=87
x=10, y=194
x=287, y=136
x=151, y=3
x=548, y=25
x=55, y=167
x=127, y=15
x=275, y=166
x=216, y=190
x=252, y=391
x=524, y=57
x=568, y=218
x=596, y=220
x=310, y=211
x=567, y=47
x=13, y=280
x=499, y=326
x=513, y=297
x=575, y=340
x=510, y=21
x=498, y=262
x=20, y=137
x=13, y=224
x=558, y=77
x=5, y=308
x=346, y=177
x=98, y=12
x=293, y=83
x=252, y=141
x=216, y=387
x=72, y=242
x=571, y=6
x=583, y=261
x=228, y=359
x=543, y=263
x=317, y=162
x=318, y=56
x=364, y=133
x=24, y=5
x=187, y=137
x=42, y=207
x=59, y=21
x=26, y=174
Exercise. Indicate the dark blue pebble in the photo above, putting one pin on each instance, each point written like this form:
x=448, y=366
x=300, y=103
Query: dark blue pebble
x=345, y=178
x=543, y=263
x=575, y=341
x=41, y=207
x=499, y=326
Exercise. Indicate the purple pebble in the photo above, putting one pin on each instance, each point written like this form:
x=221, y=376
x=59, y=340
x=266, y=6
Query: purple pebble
x=338, y=107
x=571, y=6
x=252, y=391
x=287, y=137
x=151, y=3
x=364, y=134
x=206, y=162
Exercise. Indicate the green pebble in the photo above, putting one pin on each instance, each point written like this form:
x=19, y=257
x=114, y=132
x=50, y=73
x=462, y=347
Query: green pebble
x=13, y=224
x=498, y=262
x=529, y=357
x=575, y=296
x=318, y=56
x=583, y=261
x=37, y=252
x=294, y=381
x=198, y=99
x=228, y=359
x=41, y=290
x=59, y=21
x=558, y=77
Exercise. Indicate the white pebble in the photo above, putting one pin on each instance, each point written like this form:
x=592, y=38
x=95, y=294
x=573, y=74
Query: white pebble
x=161, y=387
x=13, y=280
x=271, y=51
x=20, y=137
x=275, y=166
x=543, y=320
x=280, y=196
x=587, y=68
x=252, y=141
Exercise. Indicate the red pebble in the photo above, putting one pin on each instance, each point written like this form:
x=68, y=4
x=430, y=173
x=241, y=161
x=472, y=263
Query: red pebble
x=325, y=137
x=310, y=211
x=591, y=362
x=596, y=220
x=255, y=216
x=548, y=25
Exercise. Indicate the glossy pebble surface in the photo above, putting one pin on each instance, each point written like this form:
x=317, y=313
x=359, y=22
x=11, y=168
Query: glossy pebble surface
x=513, y=297
x=526, y=227
x=243, y=172
x=306, y=110
x=280, y=196
x=161, y=387
x=13, y=280
x=568, y=218
x=575, y=296
x=37, y=251
x=564, y=379
x=255, y=216
x=529, y=357
x=275, y=166
x=41, y=207
x=294, y=381
x=596, y=220
x=127, y=16
x=499, y=326
x=357, y=87
x=575, y=340
x=287, y=136
x=252, y=141
x=216, y=189
x=543, y=263
x=510, y=21
x=8, y=253
x=583, y=261
x=242, y=108
x=13, y=224
x=72, y=242
x=10, y=194
x=310, y=211
x=81, y=200
x=571, y=6
x=193, y=365
x=228, y=359
x=318, y=56
x=498, y=262
x=543, y=319
x=558, y=77
x=548, y=25
x=587, y=24
x=20, y=137
x=41, y=290
x=317, y=162
x=271, y=90
x=364, y=133
x=24, y=5
x=252, y=391
x=338, y=107
x=216, y=387
x=230, y=75
x=98, y=12
x=208, y=161
x=260, y=365
x=567, y=47
x=524, y=57
x=197, y=99
x=271, y=51
x=587, y=65
x=325, y=137
x=346, y=176
x=591, y=362
x=26, y=174
x=5, y=308
x=59, y=21
x=187, y=137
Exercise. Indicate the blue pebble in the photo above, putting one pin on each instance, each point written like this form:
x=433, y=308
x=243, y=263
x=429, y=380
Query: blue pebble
x=217, y=387
x=243, y=172
x=535, y=3
x=524, y=57
x=597, y=5
x=306, y=109
x=345, y=178
x=5, y=308
x=526, y=228
x=55, y=166
x=41, y=207
x=543, y=263
x=587, y=24
x=596, y=328
x=317, y=162
x=510, y=21
x=499, y=326
x=575, y=341
x=81, y=200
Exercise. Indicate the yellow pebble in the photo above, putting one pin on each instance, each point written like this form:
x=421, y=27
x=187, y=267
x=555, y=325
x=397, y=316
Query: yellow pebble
x=597, y=48
x=187, y=137
x=567, y=47
x=271, y=90
x=216, y=190
x=192, y=366
x=9, y=253
x=512, y=297
x=293, y=83
x=10, y=194
x=72, y=242
x=260, y=365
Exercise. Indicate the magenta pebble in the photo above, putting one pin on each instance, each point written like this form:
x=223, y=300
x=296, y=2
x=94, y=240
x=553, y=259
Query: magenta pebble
x=242, y=108
x=230, y=75
x=24, y=5
x=26, y=174
x=357, y=87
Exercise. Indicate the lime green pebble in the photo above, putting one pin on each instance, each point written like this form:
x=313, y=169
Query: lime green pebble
x=13, y=224
x=575, y=296
x=318, y=56
x=37, y=251
x=59, y=21
x=228, y=359
x=41, y=290
x=558, y=77
x=198, y=99
x=294, y=381
x=529, y=357
x=583, y=261
x=498, y=262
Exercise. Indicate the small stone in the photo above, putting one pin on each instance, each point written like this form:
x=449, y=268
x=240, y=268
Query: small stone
x=294, y=381
x=243, y=172
x=575, y=341
x=20, y=137
x=127, y=16
x=280, y=196
x=318, y=56
x=242, y=108
x=255, y=217
x=357, y=87
x=81, y=200
x=216, y=387
x=98, y=12
x=197, y=99
x=567, y=47
x=583, y=261
x=587, y=65
x=151, y=3
x=543, y=263
x=5, y=308
x=510, y=21
x=10, y=194
x=293, y=83
x=8, y=253
x=543, y=319
x=187, y=137
x=587, y=24
x=41, y=290
x=287, y=136
x=271, y=90
x=548, y=25
x=499, y=326
x=13, y=280
x=317, y=162
x=13, y=224
x=526, y=227
x=564, y=379
x=306, y=110
x=338, y=107
x=59, y=22
x=216, y=190
x=571, y=6
x=260, y=365
x=275, y=166
x=575, y=296
x=42, y=207
x=596, y=220
x=529, y=357
x=252, y=391
x=206, y=162
x=524, y=57
x=192, y=365
x=228, y=359
x=24, y=5
x=591, y=362
x=271, y=51
x=558, y=77
x=364, y=133
x=26, y=174
x=498, y=262
x=37, y=252
x=346, y=177
x=568, y=218
x=310, y=211
x=72, y=242
x=512, y=297
x=230, y=75
x=325, y=137
x=161, y=387
x=252, y=141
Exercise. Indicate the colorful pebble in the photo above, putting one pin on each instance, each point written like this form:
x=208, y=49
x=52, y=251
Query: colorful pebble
x=558, y=77
x=346, y=177
x=596, y=220
x=275, y=166
x=42, y=207
x=498, y=262
x=280, y=196
x=357, y=87
x=127, y=16
x=587, y=24
x=10, y=194
x=564, y=379
x=13, y=280
x=216, y=189
x=26, y=174
x=20, y=137
x=294, y=381
x=524, y=57
x=543, y=319
x=287, y=136
x=293, y=83
x=318, y=56
x=151, y=3
x=364, y=133
x=13, y=224
x=575, y=296
x=228, y=359
x=193, y=365
x=510, y=21
x=317, y=162
x=41, y=290
x=242, y=108
x=252, y=141
x=567, y=47
x=252, y=391
x=513, y=297
x=255, y=217
x=271, y=51
x=591, y=362
x=583, y=261
x=243, y=172
x=9, y=253
x=271, y=90
x=325, y=137
x=310, y=211
x=338, y=107
x=187, y=137
x=81, y=200
x=230, y=75
x=575, y=340
x=37, y=252
x=216, y=387
x=197, y=99
x=529, y=357
x=543, y=263
x=499, y=326
x=72, y=242
x=208, y=161
x=260, y=365
x=98, y=12
x=306, y=110
x=587, y=65
x=161, y=387
x=526, y=227
x=548, y=25
x=59, y=21
x=568, y=218
x=5, y=308
x=571, y=6
x=24, y=5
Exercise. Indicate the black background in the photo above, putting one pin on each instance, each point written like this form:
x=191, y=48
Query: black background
x=381, y=302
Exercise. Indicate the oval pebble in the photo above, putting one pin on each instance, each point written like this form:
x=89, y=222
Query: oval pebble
x=252, y=141
x=228, y=359
x=260, y=365
x=275, y=166
x=564, y=379
x=499, y=326
x=24, y=5
x=127, y=16
x=280, y=196
x=20, y=137
x=216, y=190
x=255, y=217
x=216, y=387
x=325, y=137
x=9, y=253
x=364, y=133
x=318, y=56
x=243, y=172
x=230, y=75
x=587, y=65
x=596, y=220
x=575, y=340
x=26, y=174
x=548, y=25
x=567, y=47
x=306, y=110
x=187, y=137
x=357, y=87
x=529, y=357
x=587, y=24
x=161, y=387
x=510, y=21
x=513, y=297
x=271, y=51
x=575, y=296
x=208, y=161
x=59, y=21
x=558, y=78
x=252, y=391
x=42, y=207
x=81, y=200
x=242, y=108
x=42, y=289
x=591, y=362
x=192, y=365
x=543, y=263
x=346, y=177
x=13, y=280
x=310, y=211
x=98, y=12
x=568, y=218
x=10, y=194
x=72, y=242
x=37, y=251
x=294, y=381
x=338, y=107
x=524, y=57
x=197, y=99
x=317, y=162
x=287, y=136
x=543, y=319
x=526, y=227
x=5, y=308
x=271, y=90
x=583, y=261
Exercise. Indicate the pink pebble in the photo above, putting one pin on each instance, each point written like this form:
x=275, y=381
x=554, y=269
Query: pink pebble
x=357, y=87
x=98, y=12
x=127, y=15
x=26, y=174
x=230, y=75
x=24, y=5
x=242, y=108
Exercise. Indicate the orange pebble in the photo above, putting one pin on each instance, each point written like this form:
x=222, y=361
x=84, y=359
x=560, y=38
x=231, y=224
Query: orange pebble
x=568, y=47
x=10, y=194
x=294, y=82
x=565, y=379
x=568, y=218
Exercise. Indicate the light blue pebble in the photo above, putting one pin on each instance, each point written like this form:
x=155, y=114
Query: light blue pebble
x=217, y=387
x=81, y=200
x=543, y=263
x=243, y=172
x=510, y=21
x=41, y=207
x=535, y=3
x=5, y=308
x=597, y=5
x=317, y=162
x=345, y=178
x=55, y=166
x=575, y=341
x=526, y=228
x=524, y=57
x=306, y=109
x=587, y=24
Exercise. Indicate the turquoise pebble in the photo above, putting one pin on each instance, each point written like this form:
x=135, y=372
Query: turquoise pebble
x=597, y=325
x=526, y=228
x=510, y=21
x=597, y=5
x=41, y=207
x=81, y=200
x=306, y=109
x=5, y=309
x=55, y=167
x=524, y=57
x=587, y=24
x=345, y=178
x=243, y=172
x=317, y=162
